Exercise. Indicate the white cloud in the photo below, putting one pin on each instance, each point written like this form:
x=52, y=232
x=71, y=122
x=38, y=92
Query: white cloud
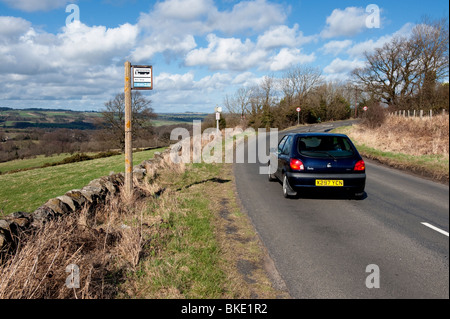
x=347, y=22
x=336, y=47
x=283, y=36
x=226, y=54
x=186, y=82
x=244, y=78
x=76, y=63
x=12, y=27
x=36, y=5
x=186, y=92
x=254, y=15
x=213, y=82
x=96, y=44
x=30, y=52
x=339, y=66
x=184, y=9
x=370, y=45
x=159, y=44
x=237, y=55
x=166, y=81
x=287, y=57
x=172, y=25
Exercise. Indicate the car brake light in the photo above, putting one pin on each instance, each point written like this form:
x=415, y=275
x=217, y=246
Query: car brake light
x=360, y=166
x=297, y=165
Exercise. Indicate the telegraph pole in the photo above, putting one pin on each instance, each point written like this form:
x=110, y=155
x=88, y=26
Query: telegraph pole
x=128, y=132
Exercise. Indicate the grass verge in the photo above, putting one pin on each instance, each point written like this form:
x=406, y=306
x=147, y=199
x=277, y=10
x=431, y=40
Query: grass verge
x=207, y=249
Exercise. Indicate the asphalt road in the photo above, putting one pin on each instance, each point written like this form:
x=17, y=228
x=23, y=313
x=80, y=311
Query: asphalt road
x=323, y=244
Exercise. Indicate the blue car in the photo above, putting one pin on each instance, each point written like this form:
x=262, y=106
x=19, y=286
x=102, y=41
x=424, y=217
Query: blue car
x=318, y=161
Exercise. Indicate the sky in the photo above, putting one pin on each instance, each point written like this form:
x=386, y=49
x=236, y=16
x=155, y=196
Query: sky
x=61, y=54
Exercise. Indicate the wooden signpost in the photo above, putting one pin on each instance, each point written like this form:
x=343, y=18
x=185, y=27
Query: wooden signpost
x=142, y=76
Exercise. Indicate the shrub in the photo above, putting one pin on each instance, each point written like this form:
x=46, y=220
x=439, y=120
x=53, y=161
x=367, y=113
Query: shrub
x=375, y=116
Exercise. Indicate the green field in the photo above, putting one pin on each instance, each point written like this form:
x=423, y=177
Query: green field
x=36, y=162
x=27, y=190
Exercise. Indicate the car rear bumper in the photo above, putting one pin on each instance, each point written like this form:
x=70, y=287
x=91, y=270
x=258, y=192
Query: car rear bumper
x=356, y=182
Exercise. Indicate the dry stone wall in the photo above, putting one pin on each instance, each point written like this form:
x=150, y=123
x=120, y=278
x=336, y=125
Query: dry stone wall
x=89, y=197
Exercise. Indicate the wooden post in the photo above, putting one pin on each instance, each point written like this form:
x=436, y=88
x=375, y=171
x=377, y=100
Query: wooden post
x=128, y=132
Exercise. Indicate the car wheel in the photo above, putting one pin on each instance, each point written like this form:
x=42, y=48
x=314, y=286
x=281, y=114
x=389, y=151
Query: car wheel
x=359, y=195
x=287, y=190
x=271, y=177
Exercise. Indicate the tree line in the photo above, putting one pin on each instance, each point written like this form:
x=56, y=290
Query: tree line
x=406, y=73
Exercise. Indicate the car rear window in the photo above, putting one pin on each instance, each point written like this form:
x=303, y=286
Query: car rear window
x=325, y=146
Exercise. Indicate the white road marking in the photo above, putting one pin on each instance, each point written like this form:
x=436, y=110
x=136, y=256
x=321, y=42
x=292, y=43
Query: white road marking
x=436, y=229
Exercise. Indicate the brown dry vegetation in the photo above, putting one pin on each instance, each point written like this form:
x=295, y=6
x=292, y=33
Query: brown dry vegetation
x=412, y=136
x=105, y=244
x=419, y=145
x=181, y=235
x=99, y=243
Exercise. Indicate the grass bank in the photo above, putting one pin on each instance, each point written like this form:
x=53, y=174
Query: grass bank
x=182, y=235
x=415, y=145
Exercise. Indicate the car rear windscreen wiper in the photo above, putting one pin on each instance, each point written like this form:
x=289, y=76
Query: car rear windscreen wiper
x=326, y=153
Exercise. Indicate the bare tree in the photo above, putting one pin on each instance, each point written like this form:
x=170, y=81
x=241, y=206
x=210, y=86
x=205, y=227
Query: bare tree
x=268, y=97
x=406, y=67
x=114, y=116
x=432, y=39
x=383, y=75
x=239, y=103
x=299, y=81
x=297, y=84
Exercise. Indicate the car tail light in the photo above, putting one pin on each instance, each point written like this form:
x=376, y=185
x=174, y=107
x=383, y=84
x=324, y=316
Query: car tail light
x=297, y=165
x=360, y=166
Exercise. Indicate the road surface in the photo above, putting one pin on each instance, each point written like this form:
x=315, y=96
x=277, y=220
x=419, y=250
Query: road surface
x=330, y=246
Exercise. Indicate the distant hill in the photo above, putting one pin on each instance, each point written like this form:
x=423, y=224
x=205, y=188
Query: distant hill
x=82, y=120
x=46, y=118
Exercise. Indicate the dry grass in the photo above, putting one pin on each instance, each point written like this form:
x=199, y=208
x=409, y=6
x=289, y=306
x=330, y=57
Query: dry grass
x=98, y=243
x=174, y=238
x=420, y=146
x=411, y=136
x=105, y=244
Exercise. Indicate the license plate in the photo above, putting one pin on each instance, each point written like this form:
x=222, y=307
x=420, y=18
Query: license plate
x=329, y=183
